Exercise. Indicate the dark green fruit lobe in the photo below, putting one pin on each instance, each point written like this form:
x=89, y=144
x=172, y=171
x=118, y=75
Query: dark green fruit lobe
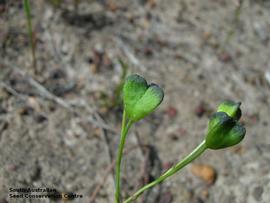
x=223, y=131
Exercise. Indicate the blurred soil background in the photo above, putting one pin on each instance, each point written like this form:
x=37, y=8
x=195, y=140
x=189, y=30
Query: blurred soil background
x=60, y=128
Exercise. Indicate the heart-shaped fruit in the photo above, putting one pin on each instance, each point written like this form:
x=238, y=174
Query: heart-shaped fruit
x=140, y=99
x=223, y=131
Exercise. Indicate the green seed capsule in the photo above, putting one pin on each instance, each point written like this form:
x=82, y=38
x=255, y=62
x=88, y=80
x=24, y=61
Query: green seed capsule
x=223, y=131
x=140, y=99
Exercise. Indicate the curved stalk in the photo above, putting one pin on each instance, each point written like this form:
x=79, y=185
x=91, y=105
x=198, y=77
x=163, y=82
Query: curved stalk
x=189, y=158
x=27, y=11
x=124, y=132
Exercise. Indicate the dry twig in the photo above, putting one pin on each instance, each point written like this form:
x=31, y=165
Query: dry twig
x=94, y=117
x=133, y=59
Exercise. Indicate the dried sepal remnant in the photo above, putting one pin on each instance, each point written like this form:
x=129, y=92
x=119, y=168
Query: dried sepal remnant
x=231, y=108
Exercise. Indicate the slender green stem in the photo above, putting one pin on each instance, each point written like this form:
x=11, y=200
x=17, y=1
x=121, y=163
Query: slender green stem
x=27, y=11
x=124, y=132
x=189, y=158
x=76, y=5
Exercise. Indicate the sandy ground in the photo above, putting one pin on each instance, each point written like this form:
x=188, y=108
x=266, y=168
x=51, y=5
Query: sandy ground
x=59, y=129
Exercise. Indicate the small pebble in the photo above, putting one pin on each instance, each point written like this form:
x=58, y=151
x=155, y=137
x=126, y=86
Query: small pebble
x=239, y=149
x=205, y=194
x=257, y=193
x=56, y=74
x=166, y=197
x=174, y=137
x=40, y=118
x=171, y=112
x=200, y=110
x=167, y=165
x=267, y=76
x=225, y=57
x=205, y=172
x=148, y=51
x=34, y=104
